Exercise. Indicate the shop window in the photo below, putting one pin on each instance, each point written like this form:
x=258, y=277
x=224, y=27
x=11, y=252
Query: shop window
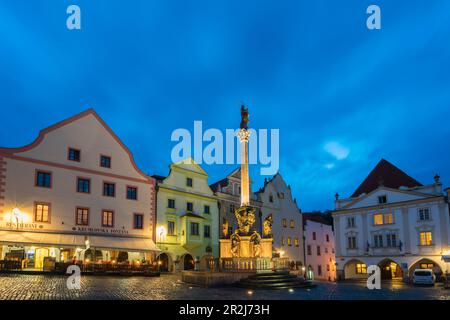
x=361, y=268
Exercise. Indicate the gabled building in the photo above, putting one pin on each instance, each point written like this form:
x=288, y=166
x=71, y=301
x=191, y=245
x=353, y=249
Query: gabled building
x=187, y=229
x=279, y=206
x=392, y=221
x=228, y=191
x=320, y=259
x=75, y=193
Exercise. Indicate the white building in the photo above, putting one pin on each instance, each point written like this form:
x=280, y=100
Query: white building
x=392, y=221
x=74, y=191
x=319, y=244
x=287, y=228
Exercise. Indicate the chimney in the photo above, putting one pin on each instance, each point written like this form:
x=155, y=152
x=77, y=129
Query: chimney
x=437, y=184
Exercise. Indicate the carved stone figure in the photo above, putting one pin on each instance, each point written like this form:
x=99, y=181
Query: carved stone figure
x=256, y=240
x=267, y=226
x=225, y=225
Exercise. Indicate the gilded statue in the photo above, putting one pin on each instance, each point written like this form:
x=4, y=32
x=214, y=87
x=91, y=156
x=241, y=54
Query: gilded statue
x=256, y=240
x=267, y=226
x=225, y=225
x=235, y=240
x=245, y=217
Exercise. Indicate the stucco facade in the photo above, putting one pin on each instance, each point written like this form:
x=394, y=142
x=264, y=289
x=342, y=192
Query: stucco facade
x=41, y=194
x=187, y=229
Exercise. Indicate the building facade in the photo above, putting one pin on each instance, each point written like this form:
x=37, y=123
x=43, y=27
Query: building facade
x=75, y=193
x=394, y=222
x=279, y=206
x=228, y=192
x=187, y=229
x=319, y=246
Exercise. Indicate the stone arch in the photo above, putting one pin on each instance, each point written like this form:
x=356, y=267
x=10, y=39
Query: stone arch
x=207, y=262
x=355, y=269
x=429, y=264
x=164, y=261
x=187, y=262
x=390, y=269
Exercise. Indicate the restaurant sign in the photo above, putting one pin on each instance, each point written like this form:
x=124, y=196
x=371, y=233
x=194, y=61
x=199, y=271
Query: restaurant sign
x=100, y=230
x=22, y=226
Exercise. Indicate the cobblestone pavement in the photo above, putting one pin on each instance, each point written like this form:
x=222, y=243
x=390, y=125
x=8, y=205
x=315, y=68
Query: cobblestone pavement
x=166, y=287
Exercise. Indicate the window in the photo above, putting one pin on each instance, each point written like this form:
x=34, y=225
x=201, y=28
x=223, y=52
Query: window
x=206, y=209
x=43, y=179
x=424, y=214
x=351, y=222
x=232, y=208
x=318, y=250
x=382, y=199
x=319, y=270
x=138, y=221
x=292, y=224
x=171, y=228
x=189, y=182
x=282, y=241
x=296, y=242
x=42, y=212
x=426, y=266
x=109, y=189
x=82, y=218
x=378, y=241
x=207, y=231
x=361, y=268
x=351, y=242
x=270, y=198
x=426, y=238
x=84, y=185
x=328, y=267
x=380, y=219
x=107, y=218
x=74, y=155
x=284, y=222
x=391, y=240
x=194, y=229
x=314, y=236
x=289, y=241
x=308, y=249
x=105, y=162
x=132, y=193
x=171, y=203
x=189, y=206
x=327, y=237
x=326, y=250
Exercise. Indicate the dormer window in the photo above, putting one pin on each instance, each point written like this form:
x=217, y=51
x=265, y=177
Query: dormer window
x=424, y=214
x=74, y=155
x=189, y=182
x=382, y=199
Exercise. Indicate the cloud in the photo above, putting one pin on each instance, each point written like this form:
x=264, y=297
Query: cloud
x=337, y=150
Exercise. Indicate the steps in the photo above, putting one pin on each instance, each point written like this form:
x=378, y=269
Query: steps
x=273, y=280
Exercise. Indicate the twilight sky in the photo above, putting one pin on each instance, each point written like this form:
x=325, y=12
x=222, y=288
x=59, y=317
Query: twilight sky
x=342, y=96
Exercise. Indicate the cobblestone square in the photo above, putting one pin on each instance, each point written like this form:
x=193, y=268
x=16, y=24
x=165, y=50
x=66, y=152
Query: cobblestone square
x=169, y=286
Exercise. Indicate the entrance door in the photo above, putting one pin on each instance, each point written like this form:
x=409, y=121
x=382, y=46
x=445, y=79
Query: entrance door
x=39, y=256
x=163, y=262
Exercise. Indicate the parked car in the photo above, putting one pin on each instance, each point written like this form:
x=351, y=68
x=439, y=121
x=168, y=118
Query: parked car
x=424, y=276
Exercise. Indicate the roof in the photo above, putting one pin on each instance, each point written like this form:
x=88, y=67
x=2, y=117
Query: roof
x=388, y=175
x=315, y=217
x=222, y=183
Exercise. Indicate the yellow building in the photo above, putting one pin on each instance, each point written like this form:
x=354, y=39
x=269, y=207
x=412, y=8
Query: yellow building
x=187, y=230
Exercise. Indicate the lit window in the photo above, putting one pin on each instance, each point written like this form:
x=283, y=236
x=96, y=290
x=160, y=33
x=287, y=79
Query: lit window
x=388, y=218
x=296, y=242
x=378, y=219
x=292, y=224
x=361, y=268
x=74, y=155
x=426, y=266
x=426, y=238
x=139, y=221
x=289, y=241
x=105, y=161
x=284, y=222
x=282, y=241
x=42, y=212
x=82, y=216
x=107, y=218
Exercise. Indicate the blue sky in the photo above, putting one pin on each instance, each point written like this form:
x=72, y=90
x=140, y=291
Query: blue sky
x=342, y=96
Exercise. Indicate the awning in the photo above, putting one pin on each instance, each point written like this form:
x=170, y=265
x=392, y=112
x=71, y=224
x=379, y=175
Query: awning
x=123, y=244
x=40, y=238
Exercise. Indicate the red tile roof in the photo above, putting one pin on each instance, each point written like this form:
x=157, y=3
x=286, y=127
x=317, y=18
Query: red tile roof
x=388, y=175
